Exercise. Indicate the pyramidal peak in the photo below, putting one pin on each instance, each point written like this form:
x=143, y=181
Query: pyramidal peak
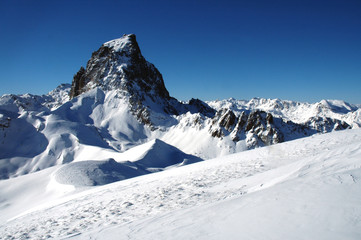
x=119, y=65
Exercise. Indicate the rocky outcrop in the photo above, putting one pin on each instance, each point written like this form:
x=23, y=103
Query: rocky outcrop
x=257, y=128
x=261, y=130
x=78, y=84
x=222, y=123
x=198, y=106
x=4, y=122
x=324, y=124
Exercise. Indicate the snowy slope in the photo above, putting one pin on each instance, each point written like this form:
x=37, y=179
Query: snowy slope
x=303, y=189
x=23, y=193
x=99, y=124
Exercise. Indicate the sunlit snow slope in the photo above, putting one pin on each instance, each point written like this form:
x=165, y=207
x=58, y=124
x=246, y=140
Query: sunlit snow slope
x=304, y=189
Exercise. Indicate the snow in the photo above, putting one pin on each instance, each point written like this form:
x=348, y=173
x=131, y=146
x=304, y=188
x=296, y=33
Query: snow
x=58, y=96
x=120, y=44
x=158, y=154
x=98, y=125
x=303, y=189
x=21, y=194
x=150, y=157
x=93, y=173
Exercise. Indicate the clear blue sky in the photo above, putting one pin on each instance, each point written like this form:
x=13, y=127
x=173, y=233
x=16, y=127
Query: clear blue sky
x=304, y=50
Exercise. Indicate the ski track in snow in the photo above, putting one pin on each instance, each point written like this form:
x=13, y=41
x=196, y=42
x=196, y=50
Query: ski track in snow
x=128, y=202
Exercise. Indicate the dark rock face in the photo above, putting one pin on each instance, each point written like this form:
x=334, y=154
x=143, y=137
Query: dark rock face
x=261, y=126
x=222, y=123
x=258, y=128
x=119, y=64
x=228, y=120
x=78, y=83
x=323, y=125
x=4, y=123
x=238, y=131
x=198, y=106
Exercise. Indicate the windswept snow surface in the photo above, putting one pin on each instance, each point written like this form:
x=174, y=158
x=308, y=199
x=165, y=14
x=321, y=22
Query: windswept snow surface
x=304, y=189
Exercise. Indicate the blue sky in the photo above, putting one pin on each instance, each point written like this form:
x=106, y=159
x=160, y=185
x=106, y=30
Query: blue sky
x=299, y=50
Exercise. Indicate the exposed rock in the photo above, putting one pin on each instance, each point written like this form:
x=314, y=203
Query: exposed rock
x=4, y=122
x=223, y=121
x=260, y=124
x=228, y=120
x=78, y=83
x=217, y=132
x=198, y=106
x=119, y=65
x=143, y=116
x=238, y=132
x=269, y=118
x=323, y=125
x=256, y=128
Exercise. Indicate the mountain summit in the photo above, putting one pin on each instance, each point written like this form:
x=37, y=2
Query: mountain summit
x=119, y=64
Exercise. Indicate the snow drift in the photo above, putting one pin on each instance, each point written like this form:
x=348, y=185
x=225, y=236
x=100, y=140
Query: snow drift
x=144, y=159
x=93, y=173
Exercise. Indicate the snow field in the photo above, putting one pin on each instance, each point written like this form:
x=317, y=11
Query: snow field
x=304, y=189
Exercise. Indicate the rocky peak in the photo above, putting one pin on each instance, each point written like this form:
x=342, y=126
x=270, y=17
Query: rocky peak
x=126, y=43
x=119, y=64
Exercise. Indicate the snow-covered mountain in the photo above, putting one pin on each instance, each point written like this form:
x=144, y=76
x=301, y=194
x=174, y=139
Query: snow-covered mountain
x=119, y=101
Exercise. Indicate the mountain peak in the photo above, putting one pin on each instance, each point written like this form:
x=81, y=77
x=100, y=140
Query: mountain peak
x=119, y=64
x=126, y=42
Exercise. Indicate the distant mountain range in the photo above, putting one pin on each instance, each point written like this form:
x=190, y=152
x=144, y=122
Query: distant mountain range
x=119, y=101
